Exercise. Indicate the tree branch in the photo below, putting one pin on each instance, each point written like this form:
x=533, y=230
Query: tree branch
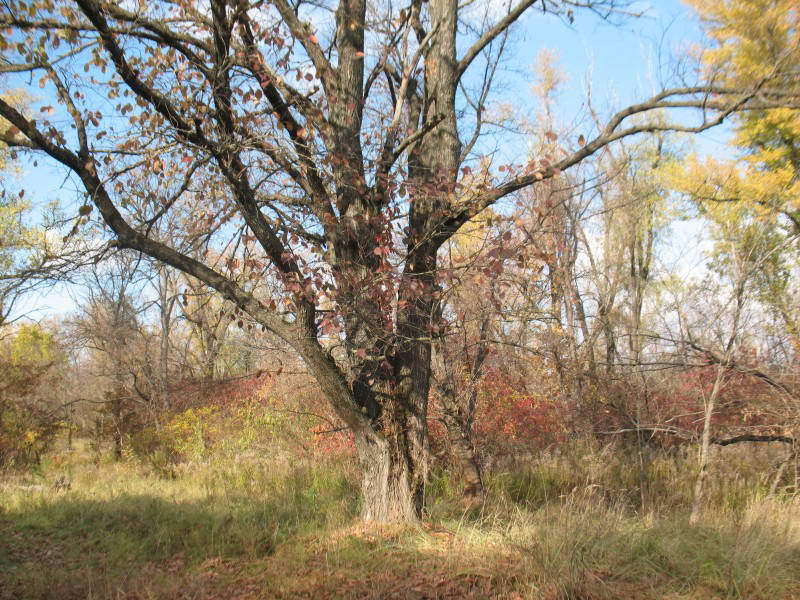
x=488, y=37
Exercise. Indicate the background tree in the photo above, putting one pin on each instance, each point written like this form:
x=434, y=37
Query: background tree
x=121, y=351
x=755, y=40
x=31, y=408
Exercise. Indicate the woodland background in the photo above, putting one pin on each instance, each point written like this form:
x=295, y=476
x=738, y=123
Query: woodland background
x=613, y=406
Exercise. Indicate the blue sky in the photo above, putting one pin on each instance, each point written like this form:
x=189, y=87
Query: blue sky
x=624, y=63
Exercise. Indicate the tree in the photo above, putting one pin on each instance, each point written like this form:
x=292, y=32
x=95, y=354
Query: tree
x=209, y=323
x=16, y=236
x=31, y=360
x=755, y=40
x=460, y=353
x=750, y=201
x=714, y=342
x=109, y=327
x=337, y=151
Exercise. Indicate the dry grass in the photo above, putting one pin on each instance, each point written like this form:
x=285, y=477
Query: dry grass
x=559, y=528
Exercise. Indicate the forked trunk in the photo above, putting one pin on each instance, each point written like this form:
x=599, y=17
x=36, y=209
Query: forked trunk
x=391, y=434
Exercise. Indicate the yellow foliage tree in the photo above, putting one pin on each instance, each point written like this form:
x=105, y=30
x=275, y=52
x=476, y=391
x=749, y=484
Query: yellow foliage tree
x=756, y=42
x=753, y=199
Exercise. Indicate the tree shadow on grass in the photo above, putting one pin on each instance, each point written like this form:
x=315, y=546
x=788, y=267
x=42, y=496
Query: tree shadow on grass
x=69, y=546
x=140, y=546
x=294, y=545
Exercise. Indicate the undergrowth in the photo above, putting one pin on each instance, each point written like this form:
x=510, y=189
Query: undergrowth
x=575, y=525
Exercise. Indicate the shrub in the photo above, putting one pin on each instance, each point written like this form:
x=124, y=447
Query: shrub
x=29, y=419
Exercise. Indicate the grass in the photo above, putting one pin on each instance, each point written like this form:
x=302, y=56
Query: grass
x=573, y=527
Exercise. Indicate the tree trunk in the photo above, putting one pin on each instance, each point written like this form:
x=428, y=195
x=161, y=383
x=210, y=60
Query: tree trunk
x=166, y=303
x=773, y=489
x=705, y=446
x=697, y=503
x=117, y=434
x=393, y=455
x=390, y=428
x=464, y=450
x=392, y=491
